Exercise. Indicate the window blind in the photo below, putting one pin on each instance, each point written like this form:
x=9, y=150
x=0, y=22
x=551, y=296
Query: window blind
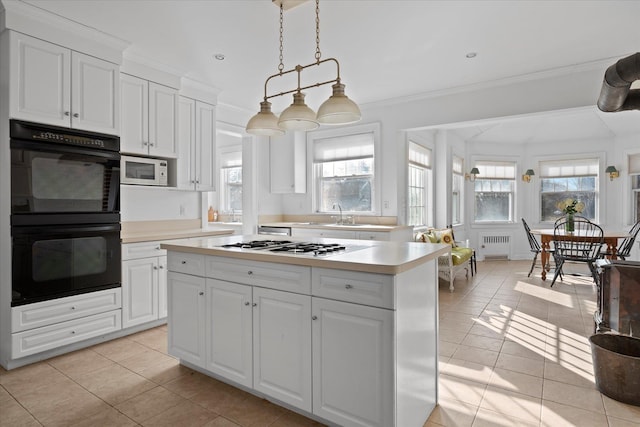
x=457, y=165
x=496, y=170
x=561, y=168
x=634, y=163
x=230, y=159
x=419, y=155
x=349, y=147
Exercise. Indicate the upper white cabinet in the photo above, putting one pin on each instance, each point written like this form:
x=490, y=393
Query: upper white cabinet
x=57, y=86
x=288, y=160
x=197, y=145
x=149, y=113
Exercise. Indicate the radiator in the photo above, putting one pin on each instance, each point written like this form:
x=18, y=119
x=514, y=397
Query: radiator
x=495, y=245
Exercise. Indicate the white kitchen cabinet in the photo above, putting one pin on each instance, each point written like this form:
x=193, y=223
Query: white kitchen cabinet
x=353, y=374
x=196, y=137
x=288, y=163
x=229, y=330
x=282, y=346
x=144, y=282
x=187, y=317
x=149, y=115
x=57, y=86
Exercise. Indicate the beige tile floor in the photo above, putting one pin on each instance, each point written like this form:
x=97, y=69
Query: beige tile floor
x=513, y=352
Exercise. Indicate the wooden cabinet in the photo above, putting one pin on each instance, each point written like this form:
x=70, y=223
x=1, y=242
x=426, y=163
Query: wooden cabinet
x=144, y=283
x=57, y=86
x=149, y=114
x=186, y=310
x=287, y=162
x=353, y=374
x=196, y=137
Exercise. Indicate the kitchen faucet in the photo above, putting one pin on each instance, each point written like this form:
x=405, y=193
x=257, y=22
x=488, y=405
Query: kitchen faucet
x=340, y=208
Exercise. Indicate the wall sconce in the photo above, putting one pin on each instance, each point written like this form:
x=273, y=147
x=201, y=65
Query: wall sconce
x=471, y=176
x=613, y=172
x=527, y=175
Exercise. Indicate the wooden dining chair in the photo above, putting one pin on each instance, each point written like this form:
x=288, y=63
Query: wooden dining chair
x=582, y=245
x=536, y=249
x=624, y=248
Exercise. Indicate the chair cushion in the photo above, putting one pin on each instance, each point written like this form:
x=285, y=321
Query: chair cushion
x=444, y=235
x=460, y=255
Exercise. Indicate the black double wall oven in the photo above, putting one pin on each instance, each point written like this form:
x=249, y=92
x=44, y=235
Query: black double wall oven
x=65, y=212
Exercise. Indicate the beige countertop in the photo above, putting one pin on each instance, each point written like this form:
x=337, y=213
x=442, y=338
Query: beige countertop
x=149, y=231
x=362, y=255
x=331, y=226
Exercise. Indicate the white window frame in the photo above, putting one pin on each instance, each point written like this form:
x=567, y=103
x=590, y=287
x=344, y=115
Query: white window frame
x=457, y=174
x=313, y=169
x=230, y=157
x=633, y=168
x=506, y=174
x=420, y=159
x=560, y=168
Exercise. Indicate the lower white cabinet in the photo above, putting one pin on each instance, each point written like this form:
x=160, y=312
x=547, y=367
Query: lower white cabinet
x=144, y=283
x=353, y=371
x=186, y=317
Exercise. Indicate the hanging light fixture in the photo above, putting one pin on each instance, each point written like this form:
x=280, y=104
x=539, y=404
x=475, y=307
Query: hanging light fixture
x=338, y=109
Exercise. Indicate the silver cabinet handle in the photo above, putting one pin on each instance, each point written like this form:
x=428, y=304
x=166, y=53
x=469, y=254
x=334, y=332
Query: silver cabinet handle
x=249, y=272
x=184, y=262
x=151, y=144
x=158, y=247
x=200, y=293
x=314, y=317
x=73, y=332
x=76, y=115
x=161, y=267
x=73, y=307
x=155, y=267
x=348, y=286
x=66, y=113
x=145, y=144
x=247, y=303
x=255, y=304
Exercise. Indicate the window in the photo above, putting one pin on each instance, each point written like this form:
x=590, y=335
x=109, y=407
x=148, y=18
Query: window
x=457, y=185
x=494, y=192
x=634, y=174
x=344, y=168
x=419, y=172
x=231, y=181
x=568, y=179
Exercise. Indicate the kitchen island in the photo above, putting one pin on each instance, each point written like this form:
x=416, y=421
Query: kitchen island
x=341, y=331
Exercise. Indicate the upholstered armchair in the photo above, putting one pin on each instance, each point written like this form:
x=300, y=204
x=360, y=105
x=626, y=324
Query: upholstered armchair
x=455, y=261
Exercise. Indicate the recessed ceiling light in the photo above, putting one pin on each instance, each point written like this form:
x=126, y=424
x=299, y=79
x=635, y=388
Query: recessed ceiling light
x=219, y=56
x=471, y=55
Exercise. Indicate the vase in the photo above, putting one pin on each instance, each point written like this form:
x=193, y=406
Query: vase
x=569, y=226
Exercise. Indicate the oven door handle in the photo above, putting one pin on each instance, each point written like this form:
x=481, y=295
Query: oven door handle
x=52, y=147
x=65, y=229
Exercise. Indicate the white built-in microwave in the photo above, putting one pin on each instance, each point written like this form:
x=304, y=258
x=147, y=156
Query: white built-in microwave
x=143, y=171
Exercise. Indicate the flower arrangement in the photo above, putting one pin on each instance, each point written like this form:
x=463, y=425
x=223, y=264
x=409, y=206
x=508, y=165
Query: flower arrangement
x=570, y=206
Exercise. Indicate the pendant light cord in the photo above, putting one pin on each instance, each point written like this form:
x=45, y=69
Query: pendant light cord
x=281, y=65
x=318, y=31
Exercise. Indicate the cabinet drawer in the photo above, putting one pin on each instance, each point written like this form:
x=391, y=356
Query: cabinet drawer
x=361, y=288
x=45, y=313
x=182, y=262
x=61, y=334
x=141, y=250
x=373, y=235
x=284, y=277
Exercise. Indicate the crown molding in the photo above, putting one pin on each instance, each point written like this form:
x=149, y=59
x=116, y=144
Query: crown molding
x=37, y=22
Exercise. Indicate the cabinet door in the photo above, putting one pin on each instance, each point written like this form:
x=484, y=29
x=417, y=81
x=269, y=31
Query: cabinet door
x=162, y=287
x=186, y=317
x=287, y=162
x=186, y=144
x=352, y=363
x=205, y=163
x=323, y=232
x=282, y=346
x=163, y=106
x=94, y=94
x=40, y=88
x=139, y=291
x=134, y=109
x=228, y=336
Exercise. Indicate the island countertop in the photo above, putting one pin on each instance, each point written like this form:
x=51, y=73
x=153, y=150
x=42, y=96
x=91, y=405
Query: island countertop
x=361, y=255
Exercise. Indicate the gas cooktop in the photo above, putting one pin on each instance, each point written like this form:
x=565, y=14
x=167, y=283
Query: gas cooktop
x=293, y=248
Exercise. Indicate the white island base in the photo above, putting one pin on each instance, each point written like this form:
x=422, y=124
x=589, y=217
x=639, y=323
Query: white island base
x=325, y=337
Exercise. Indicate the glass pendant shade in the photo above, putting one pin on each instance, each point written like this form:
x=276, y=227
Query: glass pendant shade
x=338, y=109
x=298, y=116
x=265, y=122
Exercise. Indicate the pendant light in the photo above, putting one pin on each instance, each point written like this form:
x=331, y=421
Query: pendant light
x=338, y=109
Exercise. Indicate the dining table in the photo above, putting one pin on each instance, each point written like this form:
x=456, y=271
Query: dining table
x=610, y=238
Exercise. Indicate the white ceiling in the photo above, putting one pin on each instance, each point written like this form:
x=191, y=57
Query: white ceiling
x=387, y=49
